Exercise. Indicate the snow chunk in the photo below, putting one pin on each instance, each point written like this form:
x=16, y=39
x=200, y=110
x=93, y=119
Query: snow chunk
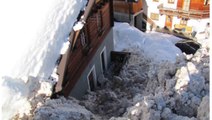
x=203, y=109
x=62, y=109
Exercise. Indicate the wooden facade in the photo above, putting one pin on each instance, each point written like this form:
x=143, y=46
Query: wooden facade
x=98, y=24
x=125, y=7
x=194, y=5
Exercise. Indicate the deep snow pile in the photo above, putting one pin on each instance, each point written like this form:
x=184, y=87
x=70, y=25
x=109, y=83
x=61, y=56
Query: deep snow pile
x=156, y=46
x=33, y=34
x=146, y=89
x=63, y=109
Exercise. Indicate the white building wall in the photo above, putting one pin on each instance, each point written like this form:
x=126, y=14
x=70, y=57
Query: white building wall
x=199, y=24
x=175, y=20
x=149, y=6
x=168, y=5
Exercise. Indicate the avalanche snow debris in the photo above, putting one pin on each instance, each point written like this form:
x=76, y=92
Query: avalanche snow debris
x=144, y=89
x=203, y=109
x=62, y=109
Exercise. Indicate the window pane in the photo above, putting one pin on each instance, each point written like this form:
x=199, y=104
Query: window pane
x=154, y=16
x=171, y=1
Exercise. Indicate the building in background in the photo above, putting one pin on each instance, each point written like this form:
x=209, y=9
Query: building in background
x=128, y=11
x=176, y=14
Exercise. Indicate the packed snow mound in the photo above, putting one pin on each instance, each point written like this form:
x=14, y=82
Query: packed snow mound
x=144, y=89
x=157, y=46
x=150, y=90
x=21, y=98
x=62, y=109
x=30, y=47
x=203, y=109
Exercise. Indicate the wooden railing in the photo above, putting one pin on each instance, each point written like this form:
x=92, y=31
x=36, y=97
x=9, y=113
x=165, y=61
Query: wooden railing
x=195, y=14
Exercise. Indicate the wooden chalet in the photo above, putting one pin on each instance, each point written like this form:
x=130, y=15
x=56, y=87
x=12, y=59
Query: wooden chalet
x=128, y=11
x=186, y=10
x=124, y=6
x=89, y=53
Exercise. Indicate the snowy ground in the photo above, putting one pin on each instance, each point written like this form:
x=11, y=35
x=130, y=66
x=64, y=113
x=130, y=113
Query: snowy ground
x=158, y=82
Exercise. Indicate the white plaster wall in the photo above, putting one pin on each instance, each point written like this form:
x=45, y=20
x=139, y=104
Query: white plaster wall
x=175, y=21
x=168, y=5
x=199, y=24
x=152, y=7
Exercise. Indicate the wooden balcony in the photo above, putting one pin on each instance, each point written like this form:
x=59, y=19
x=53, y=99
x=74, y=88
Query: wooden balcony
x=124, y=7
x=192, y=14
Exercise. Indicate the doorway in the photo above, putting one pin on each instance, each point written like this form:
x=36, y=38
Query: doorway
x=168, y=22
x=91, y=78
x=103, y=60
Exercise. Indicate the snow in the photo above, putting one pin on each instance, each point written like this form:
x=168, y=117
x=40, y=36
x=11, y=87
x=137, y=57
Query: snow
x=157, y=82
x=203, y=109
x=157, y=46
x=146, y=89
x=78, y=26
x=33, y=34
x=63, y=109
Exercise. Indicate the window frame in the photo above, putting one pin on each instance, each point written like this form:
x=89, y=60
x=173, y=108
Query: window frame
x=183, y=21
x=92, y=71
x=206, y=2
x=171, y=1
x=104, y=52
x=154, y=16
x=155, y=0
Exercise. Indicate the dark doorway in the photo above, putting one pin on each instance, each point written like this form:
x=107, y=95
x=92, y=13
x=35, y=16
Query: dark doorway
x=143, y=26
x=92, y=79
x=103, y=61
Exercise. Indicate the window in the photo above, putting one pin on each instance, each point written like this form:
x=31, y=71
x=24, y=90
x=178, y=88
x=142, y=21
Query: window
x=83, y=39
x=183, y=21
x=206, y=2
x=186, y=5
x=99, y=23
x=96, y=1
x=154, y=16
x=169, y=19
x=155, y=0
x=171, y=1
